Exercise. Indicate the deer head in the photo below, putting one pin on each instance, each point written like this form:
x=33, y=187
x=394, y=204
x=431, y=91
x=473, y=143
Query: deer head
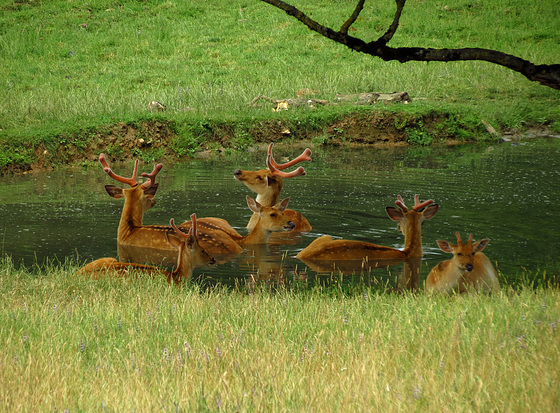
x=138, y=198
x=267, y=183
x=463, y=254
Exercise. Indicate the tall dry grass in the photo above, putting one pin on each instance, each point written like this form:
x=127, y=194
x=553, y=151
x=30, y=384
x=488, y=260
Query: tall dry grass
x=122, y=345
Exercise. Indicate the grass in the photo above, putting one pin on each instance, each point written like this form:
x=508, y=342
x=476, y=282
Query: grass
x=120, y=345
x=70, y=68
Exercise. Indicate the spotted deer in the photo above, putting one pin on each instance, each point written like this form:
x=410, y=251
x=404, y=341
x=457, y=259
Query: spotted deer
x=267, y=183
x=190, y=255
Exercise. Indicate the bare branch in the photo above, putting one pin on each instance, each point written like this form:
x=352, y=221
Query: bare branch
x=353, y=17
x=393, y=27
x=547, y=75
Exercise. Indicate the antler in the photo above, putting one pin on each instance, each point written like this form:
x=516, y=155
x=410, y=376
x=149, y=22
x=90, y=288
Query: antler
x=400, y=203
x=417, y=204
x=151, y=176
x=276, y=170
x=192, y=230
x=460, y=242
x=305, y=156
x=130, y=181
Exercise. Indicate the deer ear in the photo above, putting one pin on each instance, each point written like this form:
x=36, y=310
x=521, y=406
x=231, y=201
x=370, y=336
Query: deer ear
x=190, y=241
x=282, y=205
x=430, y=211
x=253, y=205
x=271, y=180
x=151, y=191
x=394, y=213
x=173, y=240
x=480, y=245
x=114, y=191
x=444, y=246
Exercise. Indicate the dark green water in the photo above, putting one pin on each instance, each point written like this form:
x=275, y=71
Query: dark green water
x=508, y=193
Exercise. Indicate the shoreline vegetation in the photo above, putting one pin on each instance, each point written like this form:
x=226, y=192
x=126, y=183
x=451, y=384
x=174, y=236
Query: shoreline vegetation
x=81, y=79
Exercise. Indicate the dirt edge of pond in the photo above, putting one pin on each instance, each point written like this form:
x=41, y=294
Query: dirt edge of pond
x=158, y=140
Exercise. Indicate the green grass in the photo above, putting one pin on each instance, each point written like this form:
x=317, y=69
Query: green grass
x=68, y=67
x=123, y=345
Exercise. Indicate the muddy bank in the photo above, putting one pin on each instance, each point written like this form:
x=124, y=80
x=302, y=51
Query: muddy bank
x=153, y=140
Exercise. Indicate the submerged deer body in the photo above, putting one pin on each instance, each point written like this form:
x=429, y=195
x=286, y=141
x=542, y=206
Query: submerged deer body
x=267, y=183
x=190, y=256
x=410, y=221
x=137, y=242
x=468, y=269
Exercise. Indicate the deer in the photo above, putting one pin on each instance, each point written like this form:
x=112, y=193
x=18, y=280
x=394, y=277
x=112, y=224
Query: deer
x=190, y=256
x=469, y=269
x=137, y=242
x=270, y=219
x=267, y=183
x=410, y=221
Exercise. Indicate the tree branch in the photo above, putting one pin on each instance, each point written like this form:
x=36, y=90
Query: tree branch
x=393, y=27
x=547, y=75
x=353, y=17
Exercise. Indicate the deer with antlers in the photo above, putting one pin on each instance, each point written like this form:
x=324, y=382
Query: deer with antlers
x=137, y=242
x=190, y=256
x=325, y=248
x=267, y=183
x=469, y=268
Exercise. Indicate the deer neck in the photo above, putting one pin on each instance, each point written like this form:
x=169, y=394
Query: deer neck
x=269, y=198
x=413, y=237
x=258, y=235
x=271, y=195
x=184, y=268
x=131, y=217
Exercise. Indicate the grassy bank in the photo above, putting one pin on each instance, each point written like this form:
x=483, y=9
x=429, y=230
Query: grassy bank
x=122, y=345
x=79, y=76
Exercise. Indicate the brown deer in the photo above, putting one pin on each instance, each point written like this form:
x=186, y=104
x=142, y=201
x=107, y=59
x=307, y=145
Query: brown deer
x=137, y=242
x=410, y=221
x=468, y=269
x=191, y=255
x=267, y=183
x=270, y=219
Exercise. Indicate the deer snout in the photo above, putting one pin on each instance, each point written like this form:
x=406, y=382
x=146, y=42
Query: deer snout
x=237, y=173
x=289, y=226
x=469, y=267
x=212, y=261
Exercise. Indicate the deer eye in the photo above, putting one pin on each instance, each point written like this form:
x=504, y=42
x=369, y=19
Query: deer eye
x=273, y=215
x=259, y=178
x=460, y=254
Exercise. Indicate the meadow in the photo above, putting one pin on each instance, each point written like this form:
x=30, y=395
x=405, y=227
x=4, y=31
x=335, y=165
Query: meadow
x=71, y=70
x=77, y=344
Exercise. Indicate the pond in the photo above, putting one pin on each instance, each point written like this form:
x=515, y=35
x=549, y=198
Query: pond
x=506, y=192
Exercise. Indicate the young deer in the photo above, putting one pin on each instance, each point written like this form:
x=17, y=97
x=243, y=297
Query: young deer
x=137, y=242
x=270, y=219
x=468, y=269
x=410, y=224
x=267, y=183
x=191, y=255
